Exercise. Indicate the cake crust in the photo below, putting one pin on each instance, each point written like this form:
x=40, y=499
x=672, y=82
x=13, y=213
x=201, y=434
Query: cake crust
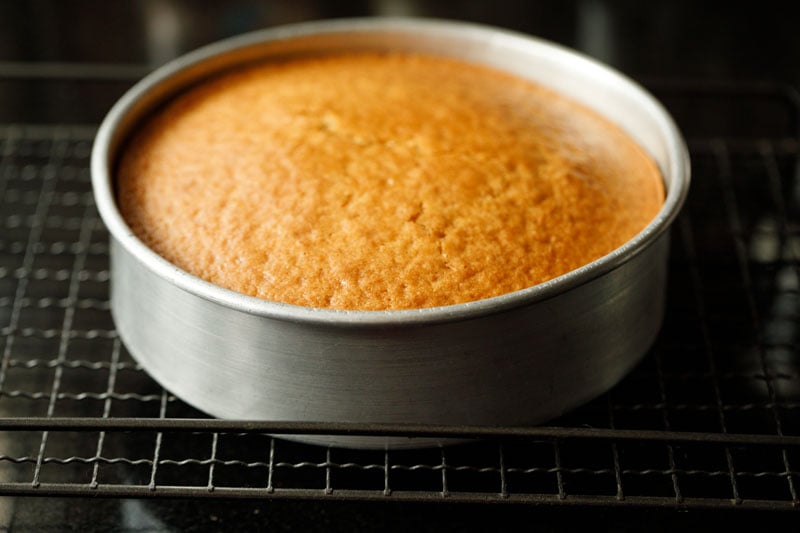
x=381, y=181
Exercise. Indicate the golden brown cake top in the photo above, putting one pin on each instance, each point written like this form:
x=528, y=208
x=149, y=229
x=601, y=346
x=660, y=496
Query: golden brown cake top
x=381, y=181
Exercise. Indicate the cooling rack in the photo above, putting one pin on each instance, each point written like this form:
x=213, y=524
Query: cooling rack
x=710, y=418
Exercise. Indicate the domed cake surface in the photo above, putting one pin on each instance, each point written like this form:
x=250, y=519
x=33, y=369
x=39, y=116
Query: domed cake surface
x=381, y=181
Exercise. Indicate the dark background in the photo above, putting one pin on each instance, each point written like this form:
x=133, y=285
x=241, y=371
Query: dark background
x=655, y=40
x=711, y=39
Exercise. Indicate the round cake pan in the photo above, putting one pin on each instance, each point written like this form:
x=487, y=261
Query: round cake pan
x=520, y=358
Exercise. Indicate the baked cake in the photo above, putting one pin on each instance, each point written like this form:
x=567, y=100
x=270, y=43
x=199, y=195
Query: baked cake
x=378, y=181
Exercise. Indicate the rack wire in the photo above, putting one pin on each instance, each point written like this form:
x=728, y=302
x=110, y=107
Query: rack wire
x=710, y=418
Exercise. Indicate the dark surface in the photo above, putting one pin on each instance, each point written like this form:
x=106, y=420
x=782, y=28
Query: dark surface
x=731, y=42
x=280, y=516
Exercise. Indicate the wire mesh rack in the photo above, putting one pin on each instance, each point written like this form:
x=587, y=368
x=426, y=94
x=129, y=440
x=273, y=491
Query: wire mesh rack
x=710, y=418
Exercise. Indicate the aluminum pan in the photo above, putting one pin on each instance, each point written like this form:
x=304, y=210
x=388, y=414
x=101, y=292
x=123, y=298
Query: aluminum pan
x=519, y=358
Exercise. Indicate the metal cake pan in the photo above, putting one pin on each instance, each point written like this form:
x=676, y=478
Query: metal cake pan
x=520, y=358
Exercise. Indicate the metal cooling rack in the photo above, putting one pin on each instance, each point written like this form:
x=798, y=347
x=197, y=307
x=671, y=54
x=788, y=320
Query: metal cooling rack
x=711, y=418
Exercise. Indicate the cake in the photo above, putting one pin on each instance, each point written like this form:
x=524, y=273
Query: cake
x=381, y=181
